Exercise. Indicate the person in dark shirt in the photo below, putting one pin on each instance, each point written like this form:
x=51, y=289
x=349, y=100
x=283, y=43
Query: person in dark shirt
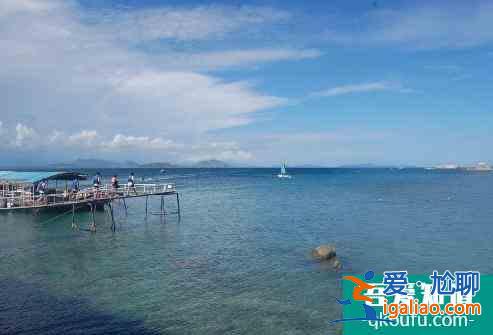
x=131, y=183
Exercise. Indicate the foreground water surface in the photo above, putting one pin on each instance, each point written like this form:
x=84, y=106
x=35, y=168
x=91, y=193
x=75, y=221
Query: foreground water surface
x=238, y=261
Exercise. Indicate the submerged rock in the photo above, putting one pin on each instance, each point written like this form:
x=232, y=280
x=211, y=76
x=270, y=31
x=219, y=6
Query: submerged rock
x=336, y=263
x=324, y=252
x=327, y=255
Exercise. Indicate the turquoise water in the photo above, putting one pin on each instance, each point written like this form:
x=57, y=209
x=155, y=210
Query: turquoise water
x=238, y=260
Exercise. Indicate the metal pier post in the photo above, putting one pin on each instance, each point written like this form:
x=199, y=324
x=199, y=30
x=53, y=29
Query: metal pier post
x=74, y=226
x=125, y=206
x=113, y=225
x=178, y=204
x=147, y=201
x=163, y=213
x=93, y=210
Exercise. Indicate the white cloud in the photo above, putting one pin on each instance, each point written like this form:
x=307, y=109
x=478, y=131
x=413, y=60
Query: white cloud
x=191, y=23
x=100, y=145
x=224, y=150
x=56, y=136
x=122, y=142
x=235, y=156
x=65, y=70
x=11, y=7
x=377, y=86
x=24, y=135
x=191, y=100
x=430, y=26
x=83, y=138
x=119, y=142
x=233, y=58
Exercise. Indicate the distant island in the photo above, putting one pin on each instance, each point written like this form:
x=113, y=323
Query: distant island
x=94, y=163
x=158, y=165
x=481, y=166
x=106, y=164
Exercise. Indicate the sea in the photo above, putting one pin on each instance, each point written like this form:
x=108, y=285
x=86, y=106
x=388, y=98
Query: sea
x=238, y=261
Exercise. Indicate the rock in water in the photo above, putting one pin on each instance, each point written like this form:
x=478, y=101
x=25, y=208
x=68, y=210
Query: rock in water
x=324, y=252
x=327, y=255
x=336, y=263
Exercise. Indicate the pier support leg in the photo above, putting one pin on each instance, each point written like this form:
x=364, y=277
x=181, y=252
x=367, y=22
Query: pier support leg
x=93, y=224
x=113, y=225
x=74, y=225
x=125, y=206
x=163, y=213
x=147, y=201
x=178, y=204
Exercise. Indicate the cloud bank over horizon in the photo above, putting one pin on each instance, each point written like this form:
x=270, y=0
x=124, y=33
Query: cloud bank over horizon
x=73, y=84
x=247, y=84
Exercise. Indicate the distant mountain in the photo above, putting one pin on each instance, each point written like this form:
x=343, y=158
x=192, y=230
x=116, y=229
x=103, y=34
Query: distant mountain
x=361, y=166
x=371, y=166
x=212, y=163
x=128, y=164
x=94, y=163
x=106, y=164
x=157, y=165
x=376, y=166
x=309, y=166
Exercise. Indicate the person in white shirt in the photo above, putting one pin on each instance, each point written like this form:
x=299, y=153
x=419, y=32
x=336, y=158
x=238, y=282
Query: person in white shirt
x=131, y=183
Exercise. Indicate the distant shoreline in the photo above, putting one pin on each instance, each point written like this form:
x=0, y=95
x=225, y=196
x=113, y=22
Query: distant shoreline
x=154, y=166
x=51, y=168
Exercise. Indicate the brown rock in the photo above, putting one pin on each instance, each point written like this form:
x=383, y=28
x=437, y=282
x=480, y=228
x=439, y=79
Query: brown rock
x=324, y=252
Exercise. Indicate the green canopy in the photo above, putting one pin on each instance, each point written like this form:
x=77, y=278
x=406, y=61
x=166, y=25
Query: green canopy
x=32, y=177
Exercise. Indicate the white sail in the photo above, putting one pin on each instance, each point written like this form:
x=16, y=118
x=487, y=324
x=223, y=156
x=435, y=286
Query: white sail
x=283, y=169
x=283, y=173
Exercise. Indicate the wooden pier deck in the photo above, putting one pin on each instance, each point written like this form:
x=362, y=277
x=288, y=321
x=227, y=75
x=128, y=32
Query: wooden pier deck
x=21, y=200
x=29, y=191
x=89, y=199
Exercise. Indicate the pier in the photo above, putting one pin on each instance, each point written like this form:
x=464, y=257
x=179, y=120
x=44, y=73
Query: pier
x=18, y=193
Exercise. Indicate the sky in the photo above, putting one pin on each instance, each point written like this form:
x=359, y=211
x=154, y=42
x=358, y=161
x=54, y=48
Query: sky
x=248, y=82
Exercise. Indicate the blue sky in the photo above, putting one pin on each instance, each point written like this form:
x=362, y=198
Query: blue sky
x=251, y=82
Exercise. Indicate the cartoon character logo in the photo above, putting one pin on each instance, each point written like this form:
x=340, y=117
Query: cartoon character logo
x=361, y=285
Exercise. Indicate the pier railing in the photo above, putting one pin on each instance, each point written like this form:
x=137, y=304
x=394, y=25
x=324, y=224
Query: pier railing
x=22, y=198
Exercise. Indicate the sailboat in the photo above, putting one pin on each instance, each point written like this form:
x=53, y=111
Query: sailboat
x=283, y=173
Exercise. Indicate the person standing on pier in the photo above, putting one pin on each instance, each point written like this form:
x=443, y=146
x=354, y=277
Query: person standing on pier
x=97, y=184
x=75, y=185
x=41, y=188
x=131, y=183
x=97, y=180
x=75, y=188
x=114, y=182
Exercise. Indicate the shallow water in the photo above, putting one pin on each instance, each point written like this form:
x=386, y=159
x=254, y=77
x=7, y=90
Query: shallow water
x=238, y=260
